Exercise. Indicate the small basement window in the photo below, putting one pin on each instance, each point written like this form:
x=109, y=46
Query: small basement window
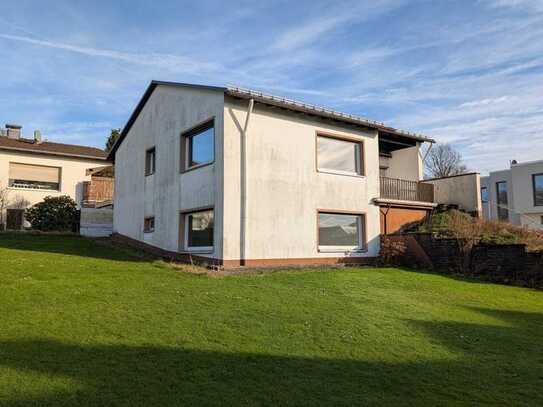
x=339, y=156
x=198, y=146
x=341, y=231
x=149, y=225
x=150, y=161
x=199, y=227
x=29, y=176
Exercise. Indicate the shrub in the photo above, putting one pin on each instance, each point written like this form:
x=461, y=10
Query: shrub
x=462, y=226
x=52, y=214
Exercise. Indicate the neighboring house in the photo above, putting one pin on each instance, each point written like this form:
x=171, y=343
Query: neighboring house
x=32, y=169
x=515, y=195
x=235, y=177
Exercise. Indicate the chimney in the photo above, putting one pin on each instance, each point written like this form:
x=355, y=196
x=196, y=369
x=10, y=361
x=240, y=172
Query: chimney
x=37, y=136
x=13, y=131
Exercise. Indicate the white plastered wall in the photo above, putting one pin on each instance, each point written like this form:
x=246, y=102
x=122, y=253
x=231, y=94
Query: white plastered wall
x=72, y=175
x=167, y=114
x=284, y=188
x=461, y=190
x=405, y=164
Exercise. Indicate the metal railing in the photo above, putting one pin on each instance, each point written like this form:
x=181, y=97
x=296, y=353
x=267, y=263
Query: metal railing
x=406, y=190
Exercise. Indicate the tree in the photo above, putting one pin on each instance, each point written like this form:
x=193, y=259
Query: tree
x=115, y=133
x=443, y=161
x=53, y=213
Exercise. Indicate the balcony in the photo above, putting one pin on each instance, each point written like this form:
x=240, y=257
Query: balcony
x=406, y=190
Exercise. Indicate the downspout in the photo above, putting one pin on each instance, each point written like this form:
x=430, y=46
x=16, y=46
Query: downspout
x=243, y=186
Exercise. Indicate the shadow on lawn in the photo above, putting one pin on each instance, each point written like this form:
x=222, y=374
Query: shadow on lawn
x=71, y=245
x=492, y=364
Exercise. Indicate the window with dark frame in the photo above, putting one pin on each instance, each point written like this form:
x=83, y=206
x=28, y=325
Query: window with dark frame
x=199, y=229
x=198, y=146
x=537, y=182
x=502, y=200
x=339, y=156
x=341, y=231
x=149, y=225
x=484, y=195
x=150, y=161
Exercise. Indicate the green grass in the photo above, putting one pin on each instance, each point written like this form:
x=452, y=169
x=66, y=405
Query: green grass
x=85, y=325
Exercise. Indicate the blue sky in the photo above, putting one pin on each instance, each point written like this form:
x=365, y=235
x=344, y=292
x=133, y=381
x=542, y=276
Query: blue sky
x=464, y=72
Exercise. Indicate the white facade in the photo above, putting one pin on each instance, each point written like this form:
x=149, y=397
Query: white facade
x=274, y=218
x=522, y=208
x=72, y=174
x=462, y=190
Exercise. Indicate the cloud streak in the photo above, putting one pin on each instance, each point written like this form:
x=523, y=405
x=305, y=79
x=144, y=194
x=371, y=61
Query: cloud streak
x=166, y=61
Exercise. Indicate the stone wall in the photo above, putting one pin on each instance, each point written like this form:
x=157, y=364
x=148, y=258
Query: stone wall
x=506, y=264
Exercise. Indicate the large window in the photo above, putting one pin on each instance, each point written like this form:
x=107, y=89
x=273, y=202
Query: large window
x=340, y=231
x=502, y=200
x=538, y=189
x=198, y=146
x=339, y=156
x=484, y=194
x=199, y=230
x=28, y=176
x=150, y=161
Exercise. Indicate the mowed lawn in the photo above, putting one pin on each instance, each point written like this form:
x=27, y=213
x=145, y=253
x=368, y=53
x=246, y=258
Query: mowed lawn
x=82, y=324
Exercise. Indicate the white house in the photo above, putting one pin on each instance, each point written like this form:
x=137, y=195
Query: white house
x=235, y=177
x=31, y=169
x=515, y=195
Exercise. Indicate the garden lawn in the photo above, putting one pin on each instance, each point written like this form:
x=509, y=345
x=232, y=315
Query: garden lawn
x=83, y=324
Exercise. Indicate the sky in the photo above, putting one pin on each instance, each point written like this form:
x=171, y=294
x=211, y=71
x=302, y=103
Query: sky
x=469, y=73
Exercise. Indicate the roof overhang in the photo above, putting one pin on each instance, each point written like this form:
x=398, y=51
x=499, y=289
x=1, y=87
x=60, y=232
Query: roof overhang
x=269, y=100
x=55, y=153
x=397, y=203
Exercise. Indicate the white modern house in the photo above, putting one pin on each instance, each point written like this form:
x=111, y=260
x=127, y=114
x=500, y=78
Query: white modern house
x=236, y=177
x=515, y=195
x=32, y=168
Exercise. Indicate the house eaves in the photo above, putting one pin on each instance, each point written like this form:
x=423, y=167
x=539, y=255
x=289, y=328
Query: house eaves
x=269, y=100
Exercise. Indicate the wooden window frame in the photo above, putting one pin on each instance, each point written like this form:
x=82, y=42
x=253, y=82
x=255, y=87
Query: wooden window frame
x=186, y=147
x=183, y=231
x=148, y=152
x=363, y=234
x=534, y=176
x=341, y=137
x=146, y=226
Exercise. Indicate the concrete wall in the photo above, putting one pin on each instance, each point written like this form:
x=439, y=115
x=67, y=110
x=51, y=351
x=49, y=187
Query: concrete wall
x=72, y=174
x=405, y=164
x=96, y=222
x=168, y=113
x=462, y=190
x=285, y=190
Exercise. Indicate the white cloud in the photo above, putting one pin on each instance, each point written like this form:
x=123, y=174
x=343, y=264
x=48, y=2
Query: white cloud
x=166, y=61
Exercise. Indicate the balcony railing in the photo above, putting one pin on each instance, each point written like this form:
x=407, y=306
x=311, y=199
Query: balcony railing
x=406, y=190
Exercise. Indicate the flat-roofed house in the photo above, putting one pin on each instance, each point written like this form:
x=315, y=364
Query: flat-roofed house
x=515, y=195
x=236, y=177
x=32, y=169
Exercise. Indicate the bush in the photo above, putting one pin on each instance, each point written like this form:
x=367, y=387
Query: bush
x=52, y=214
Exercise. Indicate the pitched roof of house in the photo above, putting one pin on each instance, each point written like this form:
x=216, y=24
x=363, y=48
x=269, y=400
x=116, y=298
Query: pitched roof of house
x=269, y=100
x=46, y=147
